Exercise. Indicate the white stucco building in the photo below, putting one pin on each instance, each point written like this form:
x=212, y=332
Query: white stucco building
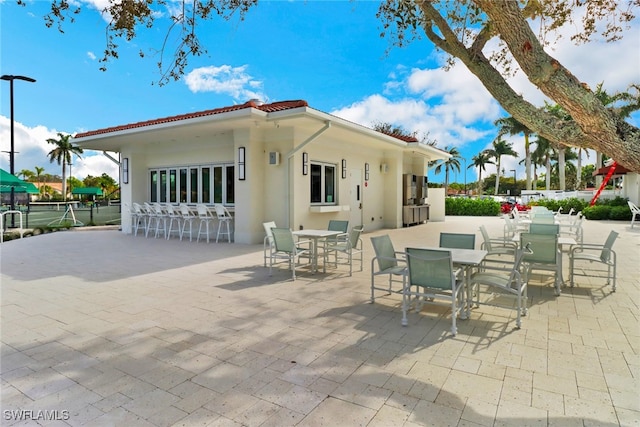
x=284, y=162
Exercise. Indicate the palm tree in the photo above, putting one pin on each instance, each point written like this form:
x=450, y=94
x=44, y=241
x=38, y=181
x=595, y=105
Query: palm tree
x=62, y=154
x=26, y=174
x=453, y=163
x=500, y=148
x=39, y=171
x=511, y=126
x=479, y=161
x=544, y=152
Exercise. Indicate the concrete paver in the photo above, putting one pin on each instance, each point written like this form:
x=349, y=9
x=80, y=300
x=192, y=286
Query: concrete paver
x=100, y=328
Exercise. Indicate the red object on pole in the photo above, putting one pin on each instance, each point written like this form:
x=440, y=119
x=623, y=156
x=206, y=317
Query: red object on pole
x=612, y=169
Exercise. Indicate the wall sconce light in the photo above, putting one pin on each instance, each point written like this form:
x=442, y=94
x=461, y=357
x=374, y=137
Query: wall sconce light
x=366, y=171
x=125, y=170
x=384, y=168
x=241, y=164
x=305, y=163
x=344, y=168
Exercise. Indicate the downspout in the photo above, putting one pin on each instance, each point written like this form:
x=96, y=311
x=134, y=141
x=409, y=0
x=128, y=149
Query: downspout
x=290, y=154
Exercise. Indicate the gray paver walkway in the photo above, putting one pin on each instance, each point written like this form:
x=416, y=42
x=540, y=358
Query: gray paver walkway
x=105, y=329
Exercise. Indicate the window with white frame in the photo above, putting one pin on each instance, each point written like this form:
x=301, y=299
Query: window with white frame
x=193, y=184
x=323, y=183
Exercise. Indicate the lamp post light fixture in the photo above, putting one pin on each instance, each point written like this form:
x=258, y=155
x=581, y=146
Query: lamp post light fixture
x=12, y=151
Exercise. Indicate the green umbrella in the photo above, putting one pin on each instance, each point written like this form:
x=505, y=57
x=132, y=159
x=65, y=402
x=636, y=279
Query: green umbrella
x=8, y=181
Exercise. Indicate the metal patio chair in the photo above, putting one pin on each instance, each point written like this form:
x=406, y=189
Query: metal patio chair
x=432, y=280
x=346, y=246
x=287, y=249
x=594, y=253
x=387, y=262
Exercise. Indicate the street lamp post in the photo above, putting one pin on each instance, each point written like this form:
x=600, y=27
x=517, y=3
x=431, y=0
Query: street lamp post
x=12, y=152
x=465, y=176
x=514, y=182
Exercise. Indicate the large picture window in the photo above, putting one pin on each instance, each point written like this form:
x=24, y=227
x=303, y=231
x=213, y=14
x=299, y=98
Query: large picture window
x=195, y=184
x=323, y=183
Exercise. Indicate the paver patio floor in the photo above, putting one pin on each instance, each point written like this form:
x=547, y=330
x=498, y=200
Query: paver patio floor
x=105, y=329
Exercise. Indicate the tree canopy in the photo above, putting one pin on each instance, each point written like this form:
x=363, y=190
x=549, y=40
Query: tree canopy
x=464, y=29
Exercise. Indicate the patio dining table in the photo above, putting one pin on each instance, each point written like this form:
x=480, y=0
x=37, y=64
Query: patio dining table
x=315, y=236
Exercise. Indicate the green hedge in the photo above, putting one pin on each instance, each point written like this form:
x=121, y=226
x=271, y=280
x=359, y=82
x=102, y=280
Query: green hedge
x=471, y=207
x=613, y=212
x=567, y=204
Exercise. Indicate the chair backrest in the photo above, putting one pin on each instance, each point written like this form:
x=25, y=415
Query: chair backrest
x=543, y=219
x=385, y=253
x=203, y=212
x=267, y=229
x=354, y=235
x=283, y=240
x=221, y=212
x=137, y=208
x=543, y=246
x=634, y=209
x=338, y=225
x=485, y=238
x=538, y=228
x=457, y=241
x=184, y=210
x=605, y=255
x=430, y=268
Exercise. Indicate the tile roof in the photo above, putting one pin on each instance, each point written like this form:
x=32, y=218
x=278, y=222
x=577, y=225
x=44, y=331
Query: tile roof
x=253, y=103
x=267, y=108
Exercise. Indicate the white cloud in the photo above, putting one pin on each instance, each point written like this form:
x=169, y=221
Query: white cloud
x=227, y=80
x=452, y=107
x=91, y=55
x=31, y=149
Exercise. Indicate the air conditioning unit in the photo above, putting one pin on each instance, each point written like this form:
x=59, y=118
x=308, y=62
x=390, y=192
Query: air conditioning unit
x=274, y=158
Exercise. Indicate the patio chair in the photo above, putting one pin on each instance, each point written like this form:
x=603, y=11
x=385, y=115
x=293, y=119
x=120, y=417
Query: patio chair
x=538, y=228
x=348, y=244
x=335, y=225
x=205, y=219
x=174, y=216
x=497, y=247
x=268, y=240
x=635, y=212
x=287, y=249
x=139, y=217
x=512, y=228
x=389, y=262
x=573, y=228
x=431, y=279
x=601, y=254
x=457, y=241
x=161, y=216
x=152, y=218
x=504, y=282
x=187, y=217
x=545, y=256
x=224, y=220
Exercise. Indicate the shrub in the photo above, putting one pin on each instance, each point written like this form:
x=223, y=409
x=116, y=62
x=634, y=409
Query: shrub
x=471, y=207
x=597, y=212
x=572, y=203
x=616, y=201
x=620, y=213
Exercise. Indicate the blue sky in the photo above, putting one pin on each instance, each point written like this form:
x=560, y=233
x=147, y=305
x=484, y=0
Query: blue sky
x=328, y=53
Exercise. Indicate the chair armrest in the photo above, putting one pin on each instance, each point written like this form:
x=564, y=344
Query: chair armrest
x=585, y=247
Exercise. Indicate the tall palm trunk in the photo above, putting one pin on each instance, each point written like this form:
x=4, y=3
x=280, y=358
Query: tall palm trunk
x=561, y=169
x=64, y=180
x=497, y=177
x=548, y=176
x=527, y=161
